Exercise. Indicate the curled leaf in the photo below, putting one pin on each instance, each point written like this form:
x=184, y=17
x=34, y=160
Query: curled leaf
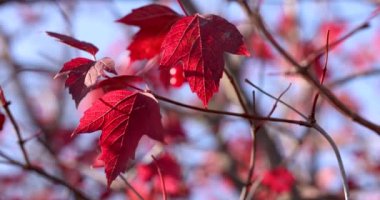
x=97, y=70
x=82, y=75
x=85, y=46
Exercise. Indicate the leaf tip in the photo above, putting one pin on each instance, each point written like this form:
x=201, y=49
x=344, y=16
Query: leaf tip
x=243, y=51
x=49, y=33
x=119, y=20
x=205, y=103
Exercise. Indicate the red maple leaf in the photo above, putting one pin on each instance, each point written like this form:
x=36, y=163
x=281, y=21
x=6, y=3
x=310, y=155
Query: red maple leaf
x=197, y=43
x=155, y=22
x=83, y=73
x=85, y=46
x=124, y=117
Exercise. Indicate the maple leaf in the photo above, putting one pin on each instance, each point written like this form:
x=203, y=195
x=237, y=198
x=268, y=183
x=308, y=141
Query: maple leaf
x=154, y=22
x=83, y=73
x=85, y=46
x=123, y=117
x=197, y=43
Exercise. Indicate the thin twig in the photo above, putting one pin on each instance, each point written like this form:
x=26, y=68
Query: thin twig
x=317, y=127
x=314, y=105
x=182, y=7
x=271, y=96
x=254, y=101
x=253, y=131
x=247, y=190
x=164, y=196
x=131, y=187
x=322, y=50
x=302, y=70
x=318, y=53
x=5, y=104
x=344, y=80
x=277, y=100
x=254, y=186
x=339, y=159
x=237, y=90
x=46, y=175
x=226, y=113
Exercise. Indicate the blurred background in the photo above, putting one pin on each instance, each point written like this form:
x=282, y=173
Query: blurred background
x=209, y=153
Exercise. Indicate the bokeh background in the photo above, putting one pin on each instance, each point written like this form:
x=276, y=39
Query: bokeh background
x=213, y=151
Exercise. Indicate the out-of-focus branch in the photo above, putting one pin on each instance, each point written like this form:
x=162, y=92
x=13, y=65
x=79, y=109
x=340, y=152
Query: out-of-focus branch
x=46, y=175
x=314, y=125
x=255, y=17
x=131, y=187
x=5, y=104
x=344, y=80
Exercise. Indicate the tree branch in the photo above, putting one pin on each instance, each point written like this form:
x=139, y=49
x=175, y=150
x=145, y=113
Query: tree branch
x=302, y=70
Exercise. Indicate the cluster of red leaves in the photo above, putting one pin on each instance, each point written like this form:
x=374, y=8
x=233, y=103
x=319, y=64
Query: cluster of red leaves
x=148, y=181
x=124, y=116
x=82, y=73
x=192, y=44
x=191, y=49
x=279, y=180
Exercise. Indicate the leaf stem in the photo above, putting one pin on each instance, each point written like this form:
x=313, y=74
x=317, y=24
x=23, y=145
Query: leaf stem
x=242, y=115
x=314, y=106
x=131, y=187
